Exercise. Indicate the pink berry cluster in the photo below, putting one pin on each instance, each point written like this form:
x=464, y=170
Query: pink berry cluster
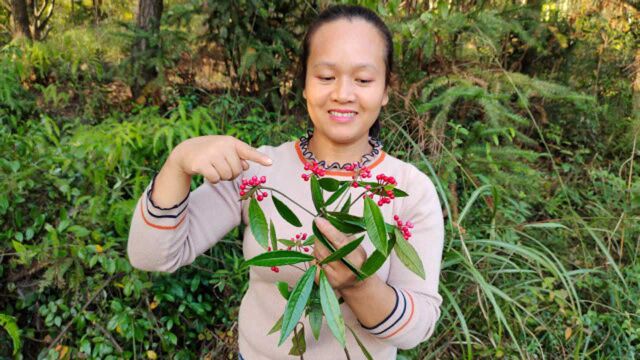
x=404, y=227
x=314, y=168
x=360, y=172
x=275, y=269
x=248, y=184
x=299, y=239
x=386, y=195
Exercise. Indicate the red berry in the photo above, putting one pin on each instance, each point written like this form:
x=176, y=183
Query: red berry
x=263, y=179
x=354, y=185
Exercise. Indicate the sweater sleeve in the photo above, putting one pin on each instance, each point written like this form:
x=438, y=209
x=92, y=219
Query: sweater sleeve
x=164, y=239
x=417, y=306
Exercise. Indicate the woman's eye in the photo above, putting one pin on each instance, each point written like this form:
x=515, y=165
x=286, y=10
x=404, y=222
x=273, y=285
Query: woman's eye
x=364, y=81
x=325, y=78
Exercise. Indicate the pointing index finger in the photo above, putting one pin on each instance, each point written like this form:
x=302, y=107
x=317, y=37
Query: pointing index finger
x=247, y=152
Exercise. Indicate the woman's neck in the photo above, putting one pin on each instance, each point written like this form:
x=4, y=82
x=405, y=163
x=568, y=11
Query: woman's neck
x=329, y=151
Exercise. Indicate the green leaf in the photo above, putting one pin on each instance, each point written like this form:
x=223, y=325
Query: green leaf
x=315, y=320
x=258, y=223
x=299, y=345
x=336, y=195
x=343, y=251
x=314, y=312
x=408, y=255
x=297, y=302
x=276, y=327
x=274, y=238
x=399, y=193
x=287, y=242
x=316, y=194
x=375, y=225
x=331, y=309
x=323, y=240
x=310, y=240
x=283, y=287
x=329, y=184
x=347, y=205
x=350, y=219
x=361, y=345
x=344, y=226
x=11, y=327
x=285, y=212
x=375, y=260
x=278, y=258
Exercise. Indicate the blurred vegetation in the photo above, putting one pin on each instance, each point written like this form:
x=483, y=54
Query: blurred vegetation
x=525, y=114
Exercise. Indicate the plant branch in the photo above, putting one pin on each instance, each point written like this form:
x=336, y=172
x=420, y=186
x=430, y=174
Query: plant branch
x=290, y=199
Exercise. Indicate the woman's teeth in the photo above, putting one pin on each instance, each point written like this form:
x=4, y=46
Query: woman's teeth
x=341, y=114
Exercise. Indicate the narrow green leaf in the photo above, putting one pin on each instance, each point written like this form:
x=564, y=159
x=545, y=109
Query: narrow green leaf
x=258, y=223
x=361, y=345
x=323, y=240
x=316, y=194
x=331, y=309
x=375, y=225
x=546, y=225
x=287, y=242
x=329, y=184
x=349, y=219
x=310, y=240
x=274, y=238
x=283, y=287
x=375, y=260
x=299, y=344
x=399, y=193
x=278, y=258
x=314, y=311
x=276, y=327
x=347, y=205
x=336, y=195
x=11, y=327
x=285, y=212
x=408, y=255
x=297, y=302
x=343, y=251
x=344, y=226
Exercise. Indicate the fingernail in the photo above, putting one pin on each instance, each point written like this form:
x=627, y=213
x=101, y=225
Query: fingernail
x=269, y=161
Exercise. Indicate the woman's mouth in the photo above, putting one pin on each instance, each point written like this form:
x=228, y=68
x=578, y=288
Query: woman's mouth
x=342, y=116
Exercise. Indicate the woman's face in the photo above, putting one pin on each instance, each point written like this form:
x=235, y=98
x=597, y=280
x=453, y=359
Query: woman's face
x=345, y=81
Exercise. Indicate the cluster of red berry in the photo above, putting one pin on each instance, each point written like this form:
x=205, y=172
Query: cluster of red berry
x=404, y=227
x=314, y=168
x=360, y=172
x=387, y=195
x=251, y=183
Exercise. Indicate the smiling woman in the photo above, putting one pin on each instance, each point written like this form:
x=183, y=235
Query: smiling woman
x=347, y=60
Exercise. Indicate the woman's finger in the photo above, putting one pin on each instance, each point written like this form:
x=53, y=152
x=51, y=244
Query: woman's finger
x=234, y=164
x=335, y=236
x=222, y=167
x=211, y=174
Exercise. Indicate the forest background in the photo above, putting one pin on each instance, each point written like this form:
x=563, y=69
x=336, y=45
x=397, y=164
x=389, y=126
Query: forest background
x=525, y=114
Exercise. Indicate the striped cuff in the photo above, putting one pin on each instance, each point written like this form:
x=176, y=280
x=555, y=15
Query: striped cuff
x=398, y=319
x=162, y=218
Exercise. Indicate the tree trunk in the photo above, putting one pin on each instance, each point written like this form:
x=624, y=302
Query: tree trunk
x=148, y=21
x=20, y=19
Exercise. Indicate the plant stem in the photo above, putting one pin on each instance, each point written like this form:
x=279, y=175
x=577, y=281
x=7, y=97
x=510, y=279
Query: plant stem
x=290, y=199
x=346, y=352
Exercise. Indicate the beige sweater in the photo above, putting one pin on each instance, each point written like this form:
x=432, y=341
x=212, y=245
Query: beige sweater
x=166, y=239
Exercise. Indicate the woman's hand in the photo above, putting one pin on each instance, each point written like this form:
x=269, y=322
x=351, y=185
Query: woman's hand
x=338, y=274
x=215, y=157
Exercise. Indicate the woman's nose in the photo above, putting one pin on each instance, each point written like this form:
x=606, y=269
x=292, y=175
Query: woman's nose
x=343, y=90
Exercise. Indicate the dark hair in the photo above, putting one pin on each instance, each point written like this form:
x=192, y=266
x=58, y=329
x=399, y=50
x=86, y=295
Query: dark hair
x=348, y=12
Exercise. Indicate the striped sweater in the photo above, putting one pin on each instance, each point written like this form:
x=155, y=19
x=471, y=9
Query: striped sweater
x=164, y=239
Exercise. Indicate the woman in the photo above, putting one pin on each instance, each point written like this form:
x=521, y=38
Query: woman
x=346, y=63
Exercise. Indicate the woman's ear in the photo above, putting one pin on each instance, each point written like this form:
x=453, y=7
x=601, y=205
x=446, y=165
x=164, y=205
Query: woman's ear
x=304, y=94
x=385, y=96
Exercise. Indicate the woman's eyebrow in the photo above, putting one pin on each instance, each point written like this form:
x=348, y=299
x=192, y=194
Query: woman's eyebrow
x=357, y=66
